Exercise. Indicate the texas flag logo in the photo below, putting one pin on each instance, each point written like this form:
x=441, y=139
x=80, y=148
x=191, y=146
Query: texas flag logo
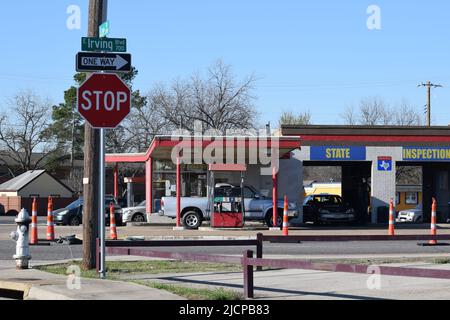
x=384, y=163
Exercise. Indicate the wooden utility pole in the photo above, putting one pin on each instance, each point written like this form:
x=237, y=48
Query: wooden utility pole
x=97, y=15
x=429, y=85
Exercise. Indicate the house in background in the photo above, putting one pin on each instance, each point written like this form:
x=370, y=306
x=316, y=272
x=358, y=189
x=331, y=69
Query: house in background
x=20, y=191
x=408, y=197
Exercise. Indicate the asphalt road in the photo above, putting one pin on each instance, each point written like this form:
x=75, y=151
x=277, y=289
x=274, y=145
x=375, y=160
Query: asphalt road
x=315, y=249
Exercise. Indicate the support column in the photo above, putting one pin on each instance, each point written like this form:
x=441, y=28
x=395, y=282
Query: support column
x=116, y=181
x=178, y=206
x=274, y=196
x=149, y=186
x=383, y=190
x=130, y=196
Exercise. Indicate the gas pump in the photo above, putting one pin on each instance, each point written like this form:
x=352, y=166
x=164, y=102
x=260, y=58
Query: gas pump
x=226, y=203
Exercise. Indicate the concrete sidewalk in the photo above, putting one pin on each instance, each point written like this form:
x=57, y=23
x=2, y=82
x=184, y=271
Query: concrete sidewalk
x=293, y=284
x=39, y=285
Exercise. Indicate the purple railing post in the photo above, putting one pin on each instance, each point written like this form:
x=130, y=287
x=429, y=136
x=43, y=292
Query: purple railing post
x=248, y=274
x=259, y=249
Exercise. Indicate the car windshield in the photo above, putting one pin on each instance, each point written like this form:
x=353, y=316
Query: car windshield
x=142, y=204
x=307, y=199
x=75, y=204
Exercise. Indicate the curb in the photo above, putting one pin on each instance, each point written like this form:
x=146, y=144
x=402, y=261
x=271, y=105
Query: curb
x=37, y=293
x=200, y=238
x=16, y=286
x=147, y=238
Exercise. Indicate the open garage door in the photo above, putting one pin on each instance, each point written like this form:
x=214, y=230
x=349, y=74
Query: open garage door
x=354, y=182
x=356, y=178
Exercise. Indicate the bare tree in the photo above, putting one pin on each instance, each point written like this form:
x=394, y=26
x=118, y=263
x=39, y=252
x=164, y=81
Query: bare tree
x=406, y=115
x=349, y=116
x=22, y=132
x=218, y=101
x=289, y=118
x=145, y=122
x=374, y=111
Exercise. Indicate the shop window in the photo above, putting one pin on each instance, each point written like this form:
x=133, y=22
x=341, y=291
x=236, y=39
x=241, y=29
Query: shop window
x=397, y=198
x=443, y=180
x=412, y=198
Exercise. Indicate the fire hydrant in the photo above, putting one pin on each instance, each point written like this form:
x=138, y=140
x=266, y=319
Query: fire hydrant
x=22, y=255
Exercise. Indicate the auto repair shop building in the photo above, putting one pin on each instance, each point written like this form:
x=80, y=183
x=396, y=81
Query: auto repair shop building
x=369, y=157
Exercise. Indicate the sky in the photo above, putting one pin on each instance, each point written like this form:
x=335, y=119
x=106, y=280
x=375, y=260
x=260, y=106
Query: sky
x=307, y=55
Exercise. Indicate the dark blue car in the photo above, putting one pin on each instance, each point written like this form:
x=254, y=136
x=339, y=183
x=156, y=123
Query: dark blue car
x=72, y=215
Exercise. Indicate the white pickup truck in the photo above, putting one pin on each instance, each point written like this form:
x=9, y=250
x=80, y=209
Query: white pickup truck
x=257, y=208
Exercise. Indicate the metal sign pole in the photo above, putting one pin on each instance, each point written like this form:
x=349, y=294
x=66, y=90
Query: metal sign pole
x=102, y=204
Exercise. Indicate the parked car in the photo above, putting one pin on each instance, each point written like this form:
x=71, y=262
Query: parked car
x=257, y=208
x=411, y=215
x=72, y=215
x=134, y=214
x=327, y=208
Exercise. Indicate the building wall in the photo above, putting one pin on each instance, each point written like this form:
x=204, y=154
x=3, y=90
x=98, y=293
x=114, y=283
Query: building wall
x=290, y=182
x=45, y=186
x=383, y=182
x=383, y=186
x=8, y=194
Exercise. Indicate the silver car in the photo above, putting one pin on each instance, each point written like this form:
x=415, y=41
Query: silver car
x=411, y=215
x=134, y=214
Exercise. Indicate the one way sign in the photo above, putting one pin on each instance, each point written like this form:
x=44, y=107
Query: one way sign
x=113, y=62
x=384, y=163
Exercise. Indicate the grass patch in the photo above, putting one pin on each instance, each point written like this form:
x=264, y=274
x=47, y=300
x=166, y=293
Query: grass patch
x=118, y=269
x=194, y=293
x=442, y=261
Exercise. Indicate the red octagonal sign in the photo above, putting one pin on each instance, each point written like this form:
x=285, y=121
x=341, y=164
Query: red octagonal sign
x=104, y=100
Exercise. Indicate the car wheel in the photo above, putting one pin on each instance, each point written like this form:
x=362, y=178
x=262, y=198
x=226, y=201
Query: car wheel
x=138, y=217
x=192, y=220
x=269, y=219
x=74, y=221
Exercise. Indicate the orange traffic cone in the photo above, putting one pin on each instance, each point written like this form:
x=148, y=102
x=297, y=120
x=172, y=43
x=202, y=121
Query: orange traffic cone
x=34, y=229
x=433, y=231
x=50, y=224
x=285, y=218
x=391, y=218
x=112, y=222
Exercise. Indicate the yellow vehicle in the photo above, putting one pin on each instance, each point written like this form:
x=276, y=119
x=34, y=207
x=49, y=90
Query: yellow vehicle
x=408, y=197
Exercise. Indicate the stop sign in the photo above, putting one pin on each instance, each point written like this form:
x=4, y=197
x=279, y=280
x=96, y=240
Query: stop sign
x=104, y=100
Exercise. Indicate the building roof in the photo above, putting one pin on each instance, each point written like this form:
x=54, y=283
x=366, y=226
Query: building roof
x=162, y=146
x=319, y=135
x=20, y=182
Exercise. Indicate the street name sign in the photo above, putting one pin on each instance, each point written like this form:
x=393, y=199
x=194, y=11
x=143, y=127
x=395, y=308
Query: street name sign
x=103, y=44
x=104, y=100
x=113, y=62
